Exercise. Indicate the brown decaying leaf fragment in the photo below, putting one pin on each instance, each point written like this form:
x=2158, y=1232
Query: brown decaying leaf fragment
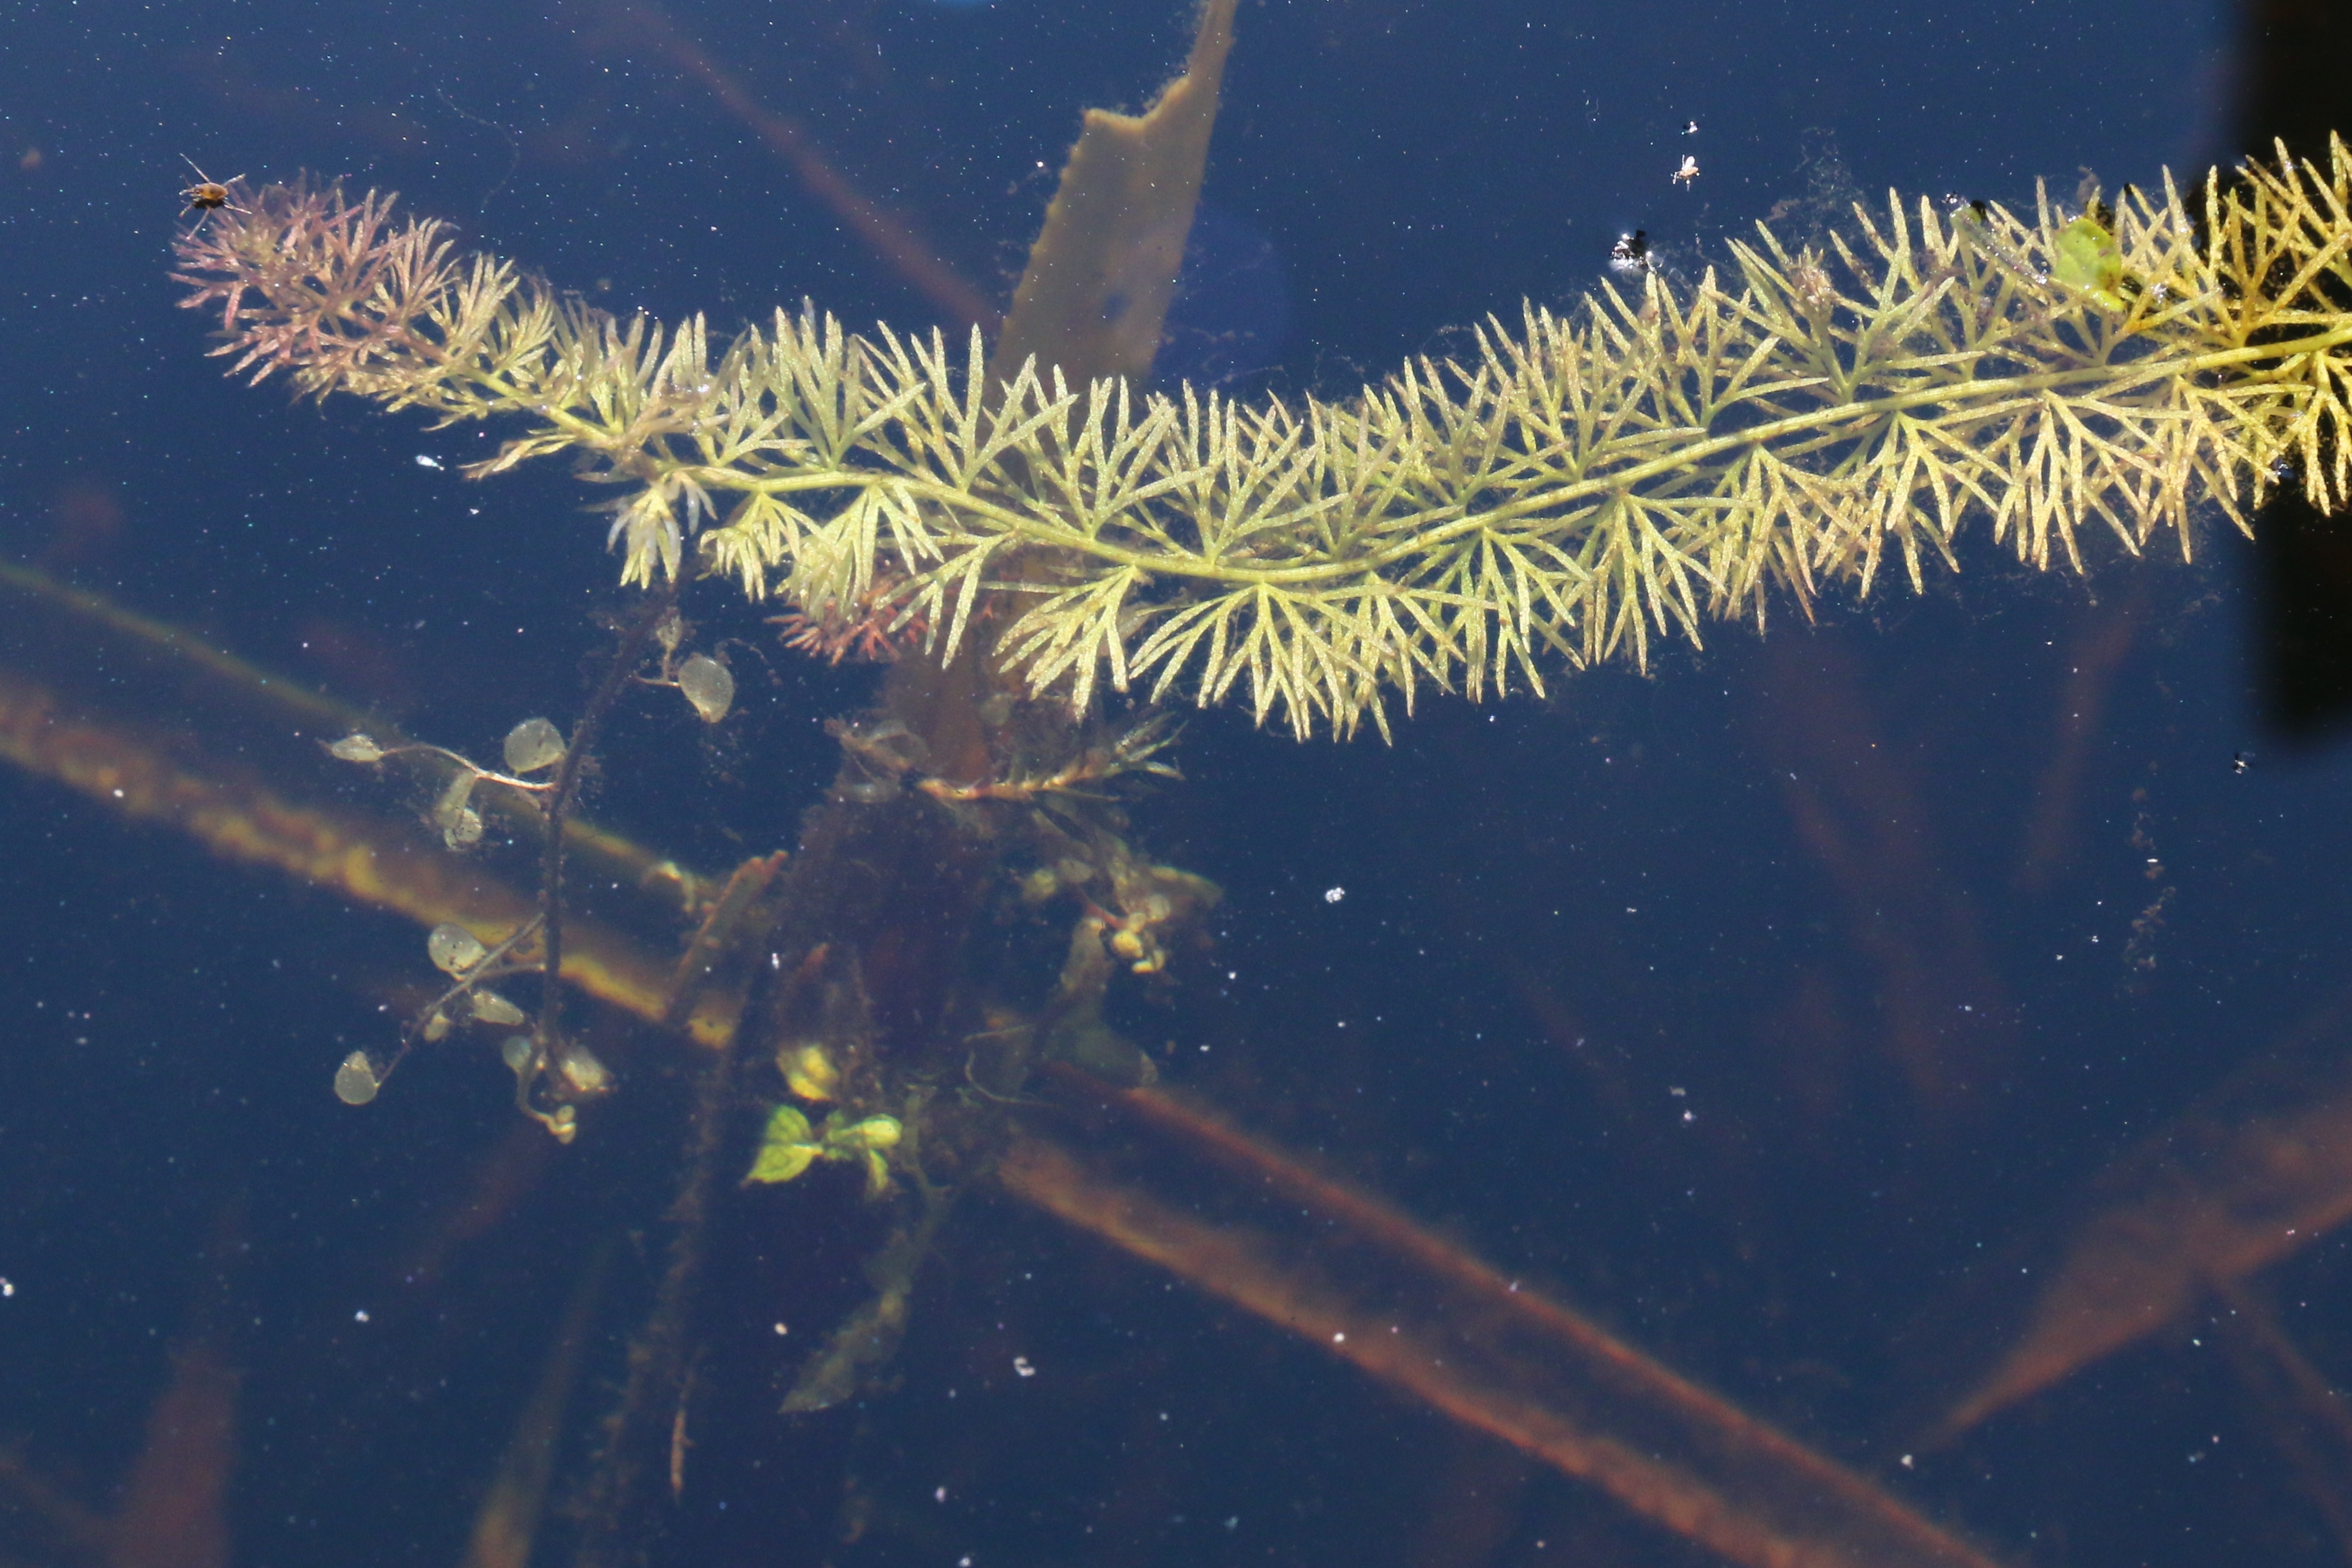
x=2262, y=1171
x=1093, y=297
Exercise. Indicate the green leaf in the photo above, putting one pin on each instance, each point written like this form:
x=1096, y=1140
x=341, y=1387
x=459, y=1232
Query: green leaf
x=786, y=1148
x=2085, y=256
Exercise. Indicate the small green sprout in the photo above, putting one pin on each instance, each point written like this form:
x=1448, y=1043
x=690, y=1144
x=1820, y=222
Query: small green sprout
x=788, y=1146
x=2086, y=256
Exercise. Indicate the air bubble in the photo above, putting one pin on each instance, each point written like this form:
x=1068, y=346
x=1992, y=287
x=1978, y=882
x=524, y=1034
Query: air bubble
x=708, y=685
x=355, y=1079
x=533, y=745
x=453, y=949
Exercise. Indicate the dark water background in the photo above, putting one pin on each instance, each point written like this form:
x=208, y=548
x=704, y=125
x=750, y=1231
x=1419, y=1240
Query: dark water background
x=1771, y=1007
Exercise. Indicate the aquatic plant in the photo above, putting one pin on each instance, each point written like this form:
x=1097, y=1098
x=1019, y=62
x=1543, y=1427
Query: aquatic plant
x=1570, y=488
x=1659, y=456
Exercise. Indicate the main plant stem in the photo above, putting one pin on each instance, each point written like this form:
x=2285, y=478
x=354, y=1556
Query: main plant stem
x=660, y=604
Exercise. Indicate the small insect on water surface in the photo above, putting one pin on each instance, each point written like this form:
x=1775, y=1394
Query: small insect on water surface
x=1631, y=253
x=207, y=195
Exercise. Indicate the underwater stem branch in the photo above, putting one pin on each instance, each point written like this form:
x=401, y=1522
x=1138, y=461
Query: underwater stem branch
x=548, y=1044
x=1655, y=458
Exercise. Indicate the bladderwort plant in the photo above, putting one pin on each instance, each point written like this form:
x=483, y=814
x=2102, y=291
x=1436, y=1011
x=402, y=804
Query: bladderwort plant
x=1570, y=489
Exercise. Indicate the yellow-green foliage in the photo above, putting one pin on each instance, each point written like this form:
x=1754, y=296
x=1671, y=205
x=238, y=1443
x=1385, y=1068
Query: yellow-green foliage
x=1569, y=489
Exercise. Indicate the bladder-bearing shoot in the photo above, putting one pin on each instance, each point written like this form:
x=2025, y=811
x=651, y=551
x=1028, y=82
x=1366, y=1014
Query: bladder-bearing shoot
x=1564, y=490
